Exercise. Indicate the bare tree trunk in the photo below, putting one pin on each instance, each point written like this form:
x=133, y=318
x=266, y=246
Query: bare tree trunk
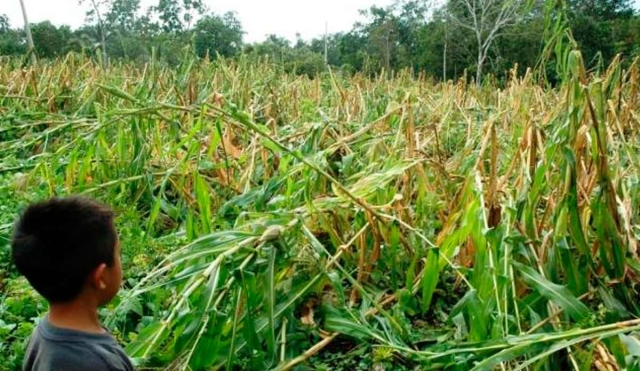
x=479, y=69
x=27, y=28
x=444, y=58
x=388, y=54
x=326, y=43
x=444, y=62
x=480, y=59
x=487, y=19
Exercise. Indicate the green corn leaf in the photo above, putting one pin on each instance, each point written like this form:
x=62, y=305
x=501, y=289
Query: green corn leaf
x=551, y=291
x=430, y=278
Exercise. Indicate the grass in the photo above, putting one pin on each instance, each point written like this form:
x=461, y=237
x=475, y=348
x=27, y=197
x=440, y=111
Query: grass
x=271, y=221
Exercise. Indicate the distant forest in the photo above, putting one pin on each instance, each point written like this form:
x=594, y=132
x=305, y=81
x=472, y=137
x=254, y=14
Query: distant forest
x=476, y=37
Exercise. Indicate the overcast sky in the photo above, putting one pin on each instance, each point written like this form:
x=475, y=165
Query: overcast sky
x=258, y=17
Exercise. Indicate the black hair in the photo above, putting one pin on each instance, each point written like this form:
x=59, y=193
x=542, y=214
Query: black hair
x=58, y=242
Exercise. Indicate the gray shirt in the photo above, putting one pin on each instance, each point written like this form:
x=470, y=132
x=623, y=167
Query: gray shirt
x=52, y=348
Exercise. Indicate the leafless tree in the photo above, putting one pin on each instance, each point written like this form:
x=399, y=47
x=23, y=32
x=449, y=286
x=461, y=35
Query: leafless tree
x=27, y=29
x=486, y=19
x=95, y=12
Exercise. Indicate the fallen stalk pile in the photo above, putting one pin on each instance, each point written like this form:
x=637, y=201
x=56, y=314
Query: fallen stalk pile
x=272, y=221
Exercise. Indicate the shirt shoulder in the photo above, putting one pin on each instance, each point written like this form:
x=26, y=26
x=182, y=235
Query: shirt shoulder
x=112, y=355
x=57, y=349
x=45, y=356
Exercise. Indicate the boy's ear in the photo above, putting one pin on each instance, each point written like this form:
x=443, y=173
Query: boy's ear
x=97, y=277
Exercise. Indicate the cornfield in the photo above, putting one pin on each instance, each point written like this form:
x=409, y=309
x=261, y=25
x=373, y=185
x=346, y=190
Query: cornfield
x=270, y=221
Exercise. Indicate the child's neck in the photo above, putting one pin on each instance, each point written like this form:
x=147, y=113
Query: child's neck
x=80, y=315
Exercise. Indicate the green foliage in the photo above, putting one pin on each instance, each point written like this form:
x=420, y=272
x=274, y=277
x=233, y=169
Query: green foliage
x=19, y=308
x=379, y=221
x=389, y=222
x=50, y=41
x=439, y=40
x=10, y=40
x=218, y=35
x=122, y=15
x=175, y=15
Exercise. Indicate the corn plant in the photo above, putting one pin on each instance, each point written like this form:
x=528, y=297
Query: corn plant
x=269, y=216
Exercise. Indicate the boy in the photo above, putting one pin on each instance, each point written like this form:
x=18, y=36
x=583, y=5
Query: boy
x=68, y=250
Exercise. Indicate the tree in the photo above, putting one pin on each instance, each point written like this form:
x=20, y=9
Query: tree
x=215, y=34
x=4, y=24
x=627, y=41
x=123, y=29
x=27, y=29
x=275, y=47
x=602, y=10
x=121, y=14
x=595, y=26
x=94, y=13
x=382, y=34
x=176, y=14
x=51, y=41
x=330, y=45
x=413, y=16
x=522, y=44
x=10, y=40
x=486, y=19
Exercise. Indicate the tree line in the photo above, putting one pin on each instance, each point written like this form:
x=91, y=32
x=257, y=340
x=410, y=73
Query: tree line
x=473, y=37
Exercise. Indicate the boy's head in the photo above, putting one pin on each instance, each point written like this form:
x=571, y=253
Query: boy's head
x=67, y=248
